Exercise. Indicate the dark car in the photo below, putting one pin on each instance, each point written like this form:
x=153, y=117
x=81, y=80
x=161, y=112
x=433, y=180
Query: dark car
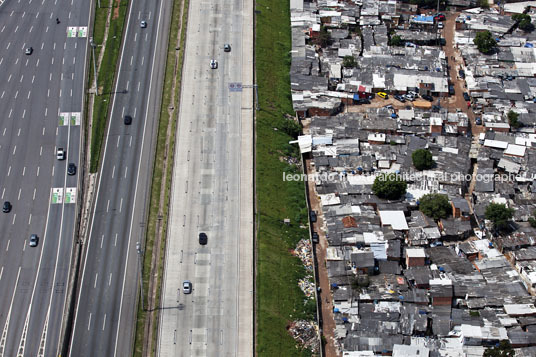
x=203, y=239
x=7, y=207
x=312, y=214
x=71, y=169
x=466, y=96
x=227, y=47
x=440, y=17
x=315, y=238
x=128, y=120
x=478, y=121
x=427, y=97
x=34, y=239
x=461, y=73
x=400, y=98
x=436, y=108
x=363, y=101
x=451, y=89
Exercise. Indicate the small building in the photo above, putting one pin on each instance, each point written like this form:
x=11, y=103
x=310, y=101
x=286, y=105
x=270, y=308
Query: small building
x=363, y=262
x=460, y=208
x=415, y=257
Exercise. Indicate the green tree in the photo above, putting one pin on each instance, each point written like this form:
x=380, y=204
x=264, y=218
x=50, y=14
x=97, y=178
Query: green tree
x=523, y=21
x=390, y=186
x=499, y=214
x=324, y=37
x=503, y=350
x=422, y=159
x=395, y=41
x=435, y=205
x=513, y=119
x=483, y=4
x=485, y=42
x=348, y=61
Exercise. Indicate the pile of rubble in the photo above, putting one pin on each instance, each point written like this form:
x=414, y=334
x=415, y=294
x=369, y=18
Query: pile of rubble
x=306, y=334
x=304, y=251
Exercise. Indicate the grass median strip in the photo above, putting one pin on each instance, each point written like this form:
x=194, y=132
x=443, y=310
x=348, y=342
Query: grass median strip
x=146, y=330
x=106, y=70
x=279, y=299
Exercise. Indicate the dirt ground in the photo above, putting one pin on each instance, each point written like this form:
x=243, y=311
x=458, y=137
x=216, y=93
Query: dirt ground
x=328, y=322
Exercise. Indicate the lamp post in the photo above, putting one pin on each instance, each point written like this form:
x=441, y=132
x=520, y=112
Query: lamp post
x=93, y=45
x=139, y=251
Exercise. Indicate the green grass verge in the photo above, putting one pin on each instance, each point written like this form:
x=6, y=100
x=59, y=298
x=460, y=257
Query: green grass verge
x=158, y=176
x=279, y=299
x=106, y=73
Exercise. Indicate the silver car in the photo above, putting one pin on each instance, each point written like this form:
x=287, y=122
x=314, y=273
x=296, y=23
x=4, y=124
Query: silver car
x=33, y=240
x=213, y=64
x=187, y=287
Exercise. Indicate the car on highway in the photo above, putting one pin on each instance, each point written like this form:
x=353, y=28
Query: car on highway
x=34, y=239
x=466, y=96
x=383, y=95
x=143, y=24
x=60, y=154
x=28, y=50
x=187, y=287
x=127, y=120
x=213, y=64
x=7, y=207
x=427, y=97
x=203, y=239
x=71, y=169
x=227, y=47
x=400, y=98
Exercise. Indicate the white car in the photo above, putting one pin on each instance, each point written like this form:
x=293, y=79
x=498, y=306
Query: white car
x=60, y=154
x=143, y=24
x=213, y=64
x=187, y=287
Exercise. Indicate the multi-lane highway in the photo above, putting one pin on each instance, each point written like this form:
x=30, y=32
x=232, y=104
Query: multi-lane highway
x=105, y=311
x=41, y=100
x=212, y=190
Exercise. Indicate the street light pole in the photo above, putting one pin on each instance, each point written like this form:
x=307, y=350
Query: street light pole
x=139, y=251
x=93, y=45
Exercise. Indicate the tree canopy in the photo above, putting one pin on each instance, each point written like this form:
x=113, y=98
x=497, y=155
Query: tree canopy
x=513, y=119
x=499, y=214
x=485, y=42
x=435, y=205
x=390, y=186
x=422, y=159
x=348, y=61
x=503, y=350
x=395, y=41
x=524, y=22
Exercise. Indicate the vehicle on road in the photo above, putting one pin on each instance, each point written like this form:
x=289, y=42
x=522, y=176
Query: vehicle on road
x=436, y=108
x=478, y=121
x=466, y=96
x=28, y=51
x=362, y=101
x=227, y=47
x=203, y=239
x=7, y=207
x=461, y=73
x=440, y=25
x=60, y=154
x=427, y=97
x=143, y=24
x=451, y=90
x=187, y=287
x=383, y=95
x=71, y=169
x=400, y=98
x=128, y=120
x=315, y=237
x=213, y=64
x=34, y=239
x=440, y=17
x=312, y=215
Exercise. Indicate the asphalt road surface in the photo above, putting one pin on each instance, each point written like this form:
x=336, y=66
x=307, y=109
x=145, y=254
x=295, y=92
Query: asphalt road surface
x=212, y=190
x=38, y=93
x=105, y=311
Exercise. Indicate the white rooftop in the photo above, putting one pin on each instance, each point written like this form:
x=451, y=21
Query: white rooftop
x=415, y=253
x=395, y=219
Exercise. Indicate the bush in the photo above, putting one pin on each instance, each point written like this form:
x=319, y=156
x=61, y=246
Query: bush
x=435, y=205
x=485, y=42
x=422, y=159
x=499, y=214
x=389, y=186
x=513, y=119
x=524, y=22
x=395, y=41
x=483, y=4
x=348, y=62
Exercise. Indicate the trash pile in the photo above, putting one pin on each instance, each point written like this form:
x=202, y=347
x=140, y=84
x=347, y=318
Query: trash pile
x=304, y=251
x=306, y=334
x=307, y=286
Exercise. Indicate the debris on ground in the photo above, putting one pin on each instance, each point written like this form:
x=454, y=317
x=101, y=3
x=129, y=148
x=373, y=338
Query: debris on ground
x=306, y=334
x=307, y=286
x=304, y=251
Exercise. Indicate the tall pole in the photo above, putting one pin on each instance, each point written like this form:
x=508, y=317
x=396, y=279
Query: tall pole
x=138, y=250
x=93, y=45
